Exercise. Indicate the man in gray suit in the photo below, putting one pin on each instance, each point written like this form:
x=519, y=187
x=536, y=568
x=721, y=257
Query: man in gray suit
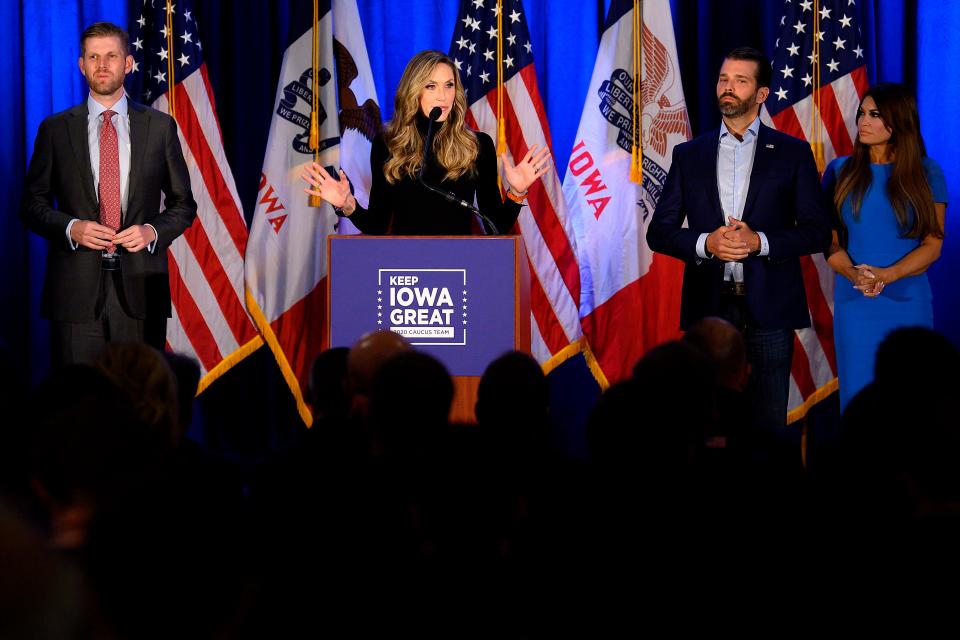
x=93, y=190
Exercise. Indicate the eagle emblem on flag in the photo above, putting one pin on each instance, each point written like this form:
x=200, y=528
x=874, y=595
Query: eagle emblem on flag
x=661, y=117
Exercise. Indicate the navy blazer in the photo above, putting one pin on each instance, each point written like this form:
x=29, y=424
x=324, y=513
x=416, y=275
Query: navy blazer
x=784, y=200
x=59, y=187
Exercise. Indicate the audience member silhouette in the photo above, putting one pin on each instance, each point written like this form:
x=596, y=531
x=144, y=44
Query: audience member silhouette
x=155, y=530
x=186, y=370
x=88, y=451
x=410, y=509
x=674, y=384
x=889, y=490
x=328, y=396
x=725, y=349
x=513, y=407
x=899, y=438
x=410, y=398
x=144, y=376
x=746, y=448
x=42, y=596
x=366, y=356
x=645, y=438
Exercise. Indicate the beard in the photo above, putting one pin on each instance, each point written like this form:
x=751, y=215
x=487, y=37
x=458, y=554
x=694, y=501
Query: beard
x=105, y=86
x=736, y=107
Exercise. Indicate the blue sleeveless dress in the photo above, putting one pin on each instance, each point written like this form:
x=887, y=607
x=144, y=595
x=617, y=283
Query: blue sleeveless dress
x=875, y=238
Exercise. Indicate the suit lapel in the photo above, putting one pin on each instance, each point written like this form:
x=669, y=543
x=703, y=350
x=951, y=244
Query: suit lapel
x=77, y=130
x=139, y=132
x=711, y=147
x=761, y=165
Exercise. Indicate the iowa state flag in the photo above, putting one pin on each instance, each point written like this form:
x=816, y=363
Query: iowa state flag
x=634, y=114
x=286, y=259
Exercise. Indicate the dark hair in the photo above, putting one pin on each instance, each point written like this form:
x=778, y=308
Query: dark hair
x=907, y=188
x=764, y=69
x=105, y=30
x=723, y=345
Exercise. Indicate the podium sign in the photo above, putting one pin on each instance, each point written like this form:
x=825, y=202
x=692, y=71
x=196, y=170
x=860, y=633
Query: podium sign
x=463, y=300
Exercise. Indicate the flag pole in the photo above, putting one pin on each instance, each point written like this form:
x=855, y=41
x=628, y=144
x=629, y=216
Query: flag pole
x=171, y=84
x=501, y=124
x=636, y=151
x=315, y=201
x=816, y=121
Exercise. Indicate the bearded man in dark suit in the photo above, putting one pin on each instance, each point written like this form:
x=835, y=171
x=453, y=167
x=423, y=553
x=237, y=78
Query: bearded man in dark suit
x=93, y=190
x=752, y=201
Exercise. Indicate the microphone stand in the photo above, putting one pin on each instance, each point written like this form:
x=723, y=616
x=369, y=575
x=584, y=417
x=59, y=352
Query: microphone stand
x=448, y=196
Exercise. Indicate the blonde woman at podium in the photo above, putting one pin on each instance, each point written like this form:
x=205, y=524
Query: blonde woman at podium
x=428, y=167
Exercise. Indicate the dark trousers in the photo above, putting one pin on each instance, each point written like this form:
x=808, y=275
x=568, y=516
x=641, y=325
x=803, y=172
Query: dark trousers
x=770, y=354
x=83, y=342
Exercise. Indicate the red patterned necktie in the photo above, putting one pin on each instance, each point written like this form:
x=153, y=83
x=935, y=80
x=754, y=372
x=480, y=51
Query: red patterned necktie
x=109, y=176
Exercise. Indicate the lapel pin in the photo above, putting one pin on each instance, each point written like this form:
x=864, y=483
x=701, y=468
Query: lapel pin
x=769, y=146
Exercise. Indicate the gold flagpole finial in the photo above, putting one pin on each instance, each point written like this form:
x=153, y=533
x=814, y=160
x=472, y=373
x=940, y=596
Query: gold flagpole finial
x=501, y=123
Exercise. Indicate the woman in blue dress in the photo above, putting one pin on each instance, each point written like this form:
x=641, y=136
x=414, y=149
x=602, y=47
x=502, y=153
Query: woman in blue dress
x=890, y=200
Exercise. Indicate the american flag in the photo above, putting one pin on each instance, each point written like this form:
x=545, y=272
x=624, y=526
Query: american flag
x=545, y=225
x=814, y=96
x=210, y=321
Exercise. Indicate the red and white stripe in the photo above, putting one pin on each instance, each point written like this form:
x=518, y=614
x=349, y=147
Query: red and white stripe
x=814, y=371
x=545, y=225
x=209, y=320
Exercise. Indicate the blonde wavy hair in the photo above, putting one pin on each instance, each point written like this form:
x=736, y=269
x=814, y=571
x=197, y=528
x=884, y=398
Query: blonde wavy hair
x=454, y=145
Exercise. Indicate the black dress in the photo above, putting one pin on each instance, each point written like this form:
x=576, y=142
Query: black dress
x=407, y=208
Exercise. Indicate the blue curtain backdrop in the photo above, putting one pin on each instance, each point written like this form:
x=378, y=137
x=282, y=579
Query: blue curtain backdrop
x=909, y=42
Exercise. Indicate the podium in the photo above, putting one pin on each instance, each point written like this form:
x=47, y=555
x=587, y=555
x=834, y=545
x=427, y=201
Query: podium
x=462, y=299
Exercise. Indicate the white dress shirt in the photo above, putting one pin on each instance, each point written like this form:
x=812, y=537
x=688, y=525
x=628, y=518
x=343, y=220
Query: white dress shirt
x=121, y=122
x=734, y=164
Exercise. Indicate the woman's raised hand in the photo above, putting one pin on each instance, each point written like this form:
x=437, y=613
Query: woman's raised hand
x=531, y=168
x=323, y=184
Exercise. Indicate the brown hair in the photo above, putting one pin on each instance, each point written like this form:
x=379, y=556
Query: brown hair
x=454, y=146
x=907, y=188
x=145, y=377
x=105, y=30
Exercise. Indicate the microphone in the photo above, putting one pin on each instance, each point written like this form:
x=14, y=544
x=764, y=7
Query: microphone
x=448, y=196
